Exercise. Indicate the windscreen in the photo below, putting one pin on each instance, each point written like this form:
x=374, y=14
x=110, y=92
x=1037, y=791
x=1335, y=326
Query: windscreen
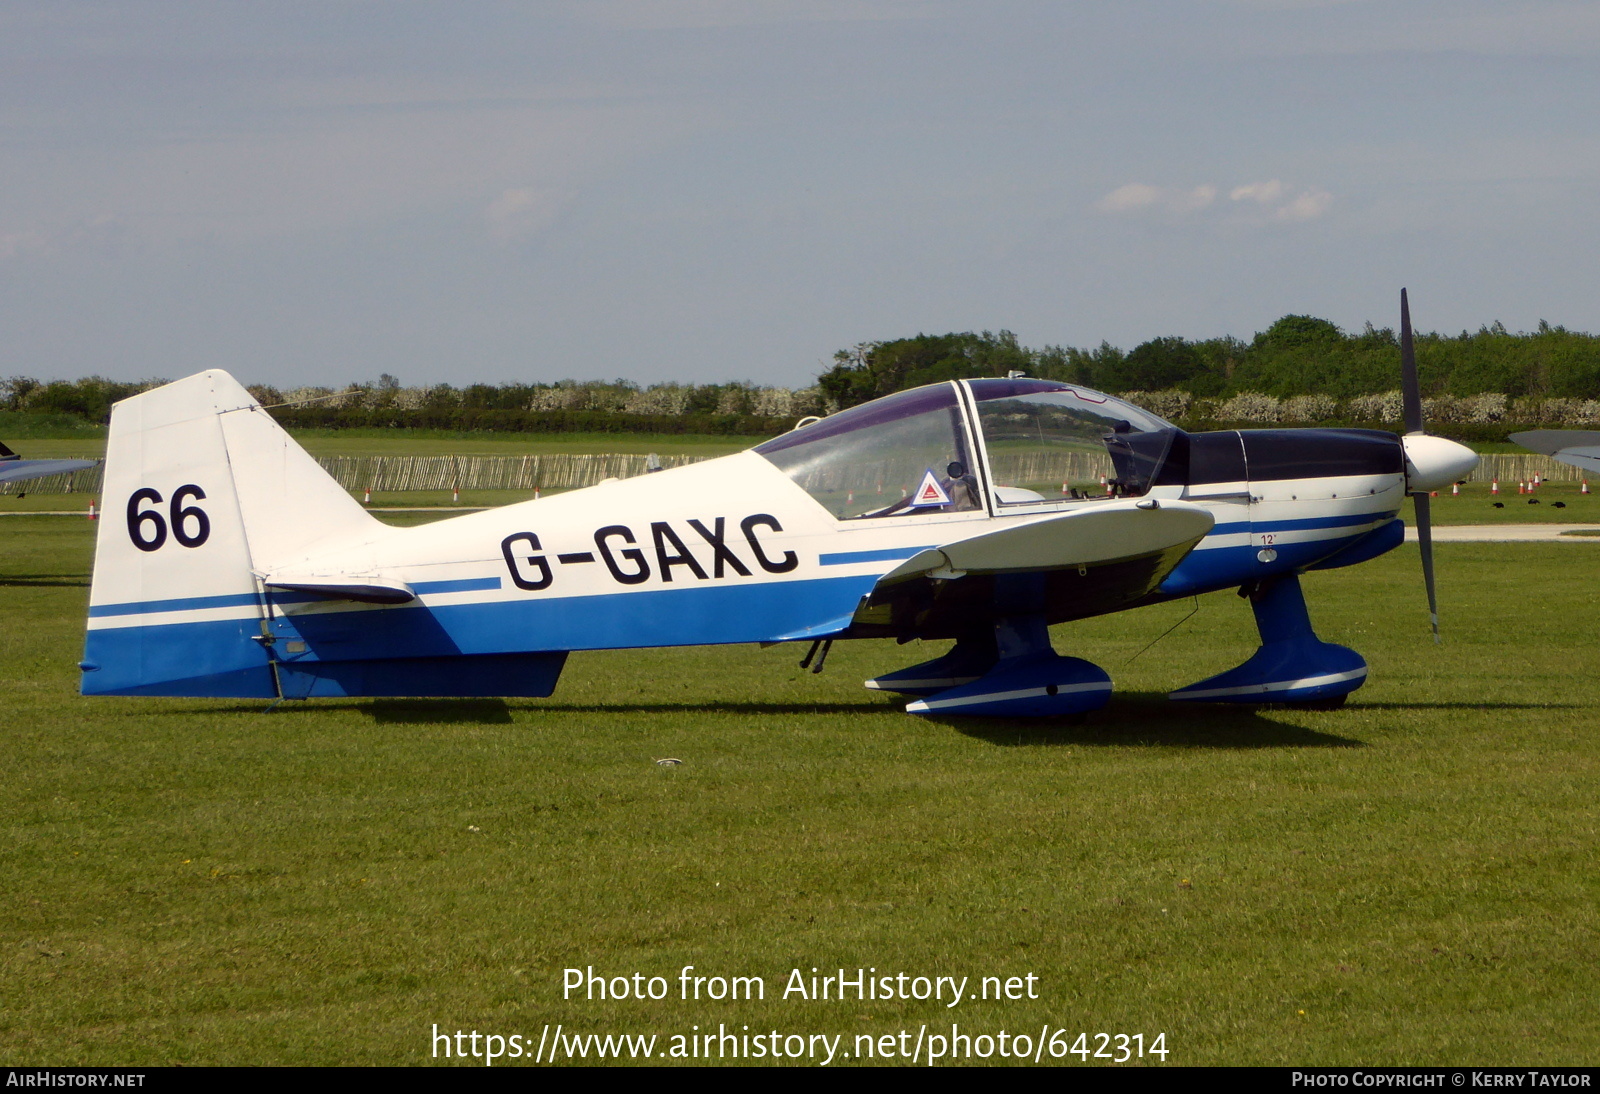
x=1046, y=440
x=897, y=456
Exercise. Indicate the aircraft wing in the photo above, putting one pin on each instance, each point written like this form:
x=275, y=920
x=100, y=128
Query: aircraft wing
x=1082, y=537
x=19, y=470
x=1575, y=447
x=1070, y=565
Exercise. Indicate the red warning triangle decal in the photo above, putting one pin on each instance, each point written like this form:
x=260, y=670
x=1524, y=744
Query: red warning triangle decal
x=930, y=492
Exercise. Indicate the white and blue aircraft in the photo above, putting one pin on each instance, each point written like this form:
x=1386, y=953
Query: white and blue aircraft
x=230, y=564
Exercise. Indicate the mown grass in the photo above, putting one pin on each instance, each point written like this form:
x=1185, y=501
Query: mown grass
x=1475, y=505
x=1408, y=880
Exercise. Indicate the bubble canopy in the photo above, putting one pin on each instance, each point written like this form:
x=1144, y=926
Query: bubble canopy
x=875, y=460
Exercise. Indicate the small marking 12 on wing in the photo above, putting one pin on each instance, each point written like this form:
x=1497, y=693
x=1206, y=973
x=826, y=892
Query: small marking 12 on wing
x=625, y=556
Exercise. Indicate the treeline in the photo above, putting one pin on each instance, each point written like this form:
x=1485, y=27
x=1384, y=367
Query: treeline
x=567, y=406
x=1297, y=356
x=1302, y=370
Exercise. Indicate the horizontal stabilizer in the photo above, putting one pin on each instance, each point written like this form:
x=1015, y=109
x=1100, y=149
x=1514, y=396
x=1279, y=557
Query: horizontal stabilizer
x=364, y=588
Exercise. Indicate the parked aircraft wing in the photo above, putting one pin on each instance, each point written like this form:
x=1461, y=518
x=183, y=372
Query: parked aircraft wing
x=15, y=469
x=1575, y=447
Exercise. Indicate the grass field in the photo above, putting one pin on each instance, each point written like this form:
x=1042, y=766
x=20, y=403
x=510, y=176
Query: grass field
x=1475, y=505
x=1408, y=880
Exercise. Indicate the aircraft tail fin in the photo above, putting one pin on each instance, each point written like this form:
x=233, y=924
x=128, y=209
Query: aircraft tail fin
x=203, y=493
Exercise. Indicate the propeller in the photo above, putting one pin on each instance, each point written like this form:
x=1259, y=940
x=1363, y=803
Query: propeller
x=1431, y=462
x=1411, y=400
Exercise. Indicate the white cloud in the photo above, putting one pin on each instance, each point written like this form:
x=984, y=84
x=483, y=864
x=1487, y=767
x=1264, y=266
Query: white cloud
x=1529, y=28
x=1187, y=201
x=1281, y=204
x=1138, y=195
x=516, y=214
x=13, y=244
x=101, y=233
x=708, y=14
x=1135, y=195
x=1308, y=205
x=1266, y=193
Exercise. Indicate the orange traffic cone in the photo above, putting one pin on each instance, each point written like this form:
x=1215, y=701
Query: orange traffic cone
x=1494, y=487
x=366, y=499
x=1455, y=489
x=1585, y=489
x=92, y=516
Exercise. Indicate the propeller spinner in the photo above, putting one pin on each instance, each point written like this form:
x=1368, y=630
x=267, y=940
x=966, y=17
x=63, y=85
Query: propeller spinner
x=1431, y=462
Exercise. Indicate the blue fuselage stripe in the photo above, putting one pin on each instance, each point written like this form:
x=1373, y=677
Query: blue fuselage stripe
x=181, y=604
x=890, y=554
x=1352, y=520
x=239, y=600
x=462, y=585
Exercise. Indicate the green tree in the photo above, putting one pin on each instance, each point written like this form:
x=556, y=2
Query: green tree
x=873, y=369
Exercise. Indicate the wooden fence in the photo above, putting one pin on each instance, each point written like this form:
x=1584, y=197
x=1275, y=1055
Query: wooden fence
x=358, y=474
x=565, y=471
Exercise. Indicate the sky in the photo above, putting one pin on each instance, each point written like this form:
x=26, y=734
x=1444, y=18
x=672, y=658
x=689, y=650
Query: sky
x=320, y=191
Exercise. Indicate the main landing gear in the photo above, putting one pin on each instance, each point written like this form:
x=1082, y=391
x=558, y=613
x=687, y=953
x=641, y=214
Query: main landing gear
x=1009, y=670
x=1293, y=665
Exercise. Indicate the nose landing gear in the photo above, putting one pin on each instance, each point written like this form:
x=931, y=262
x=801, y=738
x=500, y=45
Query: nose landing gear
x=1292, y=665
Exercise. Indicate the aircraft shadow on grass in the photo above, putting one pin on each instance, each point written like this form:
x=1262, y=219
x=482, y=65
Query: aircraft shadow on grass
x=497, y=711
x=1474, y=706
x=441, y=712
x=1149, y=718
x=865, y=706
x=1135, y=718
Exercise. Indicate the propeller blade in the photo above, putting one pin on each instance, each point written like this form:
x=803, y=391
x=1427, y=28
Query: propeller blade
x=1410, y=390
x=1425, y=541
x=1411, y=396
